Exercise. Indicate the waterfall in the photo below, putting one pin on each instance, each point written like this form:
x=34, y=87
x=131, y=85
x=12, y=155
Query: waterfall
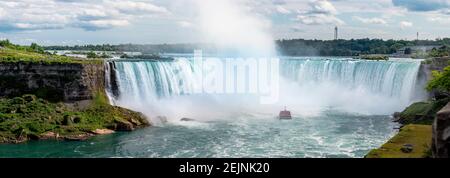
x=390, y=78
x=307, y=86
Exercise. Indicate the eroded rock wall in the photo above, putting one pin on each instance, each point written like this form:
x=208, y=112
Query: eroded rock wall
x=441, y=133
x=69, y=82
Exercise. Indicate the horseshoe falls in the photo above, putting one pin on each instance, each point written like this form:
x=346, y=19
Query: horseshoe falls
x=307, y=86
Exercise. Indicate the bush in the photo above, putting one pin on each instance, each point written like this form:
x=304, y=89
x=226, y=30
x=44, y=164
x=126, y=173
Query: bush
x=441, y=52
x=36, y=48
x=440, y=81
x=5, y=43
x=91, y=55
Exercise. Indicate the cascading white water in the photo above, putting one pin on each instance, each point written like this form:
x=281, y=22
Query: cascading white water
x=358, y=86
x=308, y=86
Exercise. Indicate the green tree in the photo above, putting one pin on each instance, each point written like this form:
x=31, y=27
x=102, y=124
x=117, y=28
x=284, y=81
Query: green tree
x=104, y=55
x=441, y=52
x=440, y=81
x=5, y=43
x=91, y=54
x=408, y=51
x=36, y=48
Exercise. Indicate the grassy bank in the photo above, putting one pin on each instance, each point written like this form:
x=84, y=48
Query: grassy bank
x=10, y=53
x=374, y=57
x=418, y=137
x=421, y=112
x=415, y=134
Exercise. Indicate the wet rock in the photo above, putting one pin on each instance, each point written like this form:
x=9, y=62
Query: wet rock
x=29, y=98
x=135, y=122
x=407, y=148
x=18, y=100
x=123, y=125
x=187, y=119
x=49, y=135
x=33, y=136
x=78, y=137
x=163, y=119
x=438, y=95
x=69, y=120
x=77, y=119
x=103, y=131
x=396, y=116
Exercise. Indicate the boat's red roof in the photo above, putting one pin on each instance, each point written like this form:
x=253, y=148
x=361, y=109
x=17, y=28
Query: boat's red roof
x=285, y=114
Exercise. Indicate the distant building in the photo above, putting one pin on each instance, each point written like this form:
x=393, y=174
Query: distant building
x=336, y=33
x=410, y=50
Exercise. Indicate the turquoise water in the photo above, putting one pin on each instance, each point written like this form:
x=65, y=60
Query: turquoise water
x=330, y=135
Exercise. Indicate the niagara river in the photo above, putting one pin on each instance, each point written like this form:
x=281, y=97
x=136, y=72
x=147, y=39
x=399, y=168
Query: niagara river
x=341, y=107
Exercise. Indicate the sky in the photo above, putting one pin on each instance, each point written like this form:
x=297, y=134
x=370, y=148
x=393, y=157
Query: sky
x=72, y=22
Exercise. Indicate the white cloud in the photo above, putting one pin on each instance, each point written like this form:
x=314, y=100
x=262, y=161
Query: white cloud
x=319, y=19
x=322, y=7
x=320, y=12
x=23, y=15
x=445, y=11
x=306, y=16
x=2, y=12
x=405, y=24
x=422, y=5
x=439, y=19
x=185, y=24
x=370, y=20
x=93, y=25
x=131, y=7
x=280, y=9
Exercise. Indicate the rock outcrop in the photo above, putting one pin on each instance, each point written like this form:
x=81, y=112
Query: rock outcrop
x=31, y=118
x=441, y=133
x=68, y=82
x=67, y=102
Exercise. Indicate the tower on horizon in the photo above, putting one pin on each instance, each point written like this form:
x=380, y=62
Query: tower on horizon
x=336, y=33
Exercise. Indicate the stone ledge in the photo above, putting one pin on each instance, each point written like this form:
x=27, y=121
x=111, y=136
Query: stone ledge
x=441, y=133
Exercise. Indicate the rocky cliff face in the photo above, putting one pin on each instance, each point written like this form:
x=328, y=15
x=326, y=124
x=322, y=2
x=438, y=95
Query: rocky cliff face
x=441, y=133
x=425, y=73
x=56, y=82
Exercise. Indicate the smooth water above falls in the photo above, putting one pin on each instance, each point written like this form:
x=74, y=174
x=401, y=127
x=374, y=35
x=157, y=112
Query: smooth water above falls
x=341, y=108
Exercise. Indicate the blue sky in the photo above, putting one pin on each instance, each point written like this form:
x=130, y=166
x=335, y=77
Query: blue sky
x=69, y=22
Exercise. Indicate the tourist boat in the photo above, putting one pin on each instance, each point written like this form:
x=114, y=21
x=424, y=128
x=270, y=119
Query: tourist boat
x=285, y=115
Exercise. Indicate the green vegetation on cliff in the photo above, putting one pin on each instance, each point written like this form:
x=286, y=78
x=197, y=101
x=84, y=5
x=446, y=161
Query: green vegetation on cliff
x=413, y=141
x=440, y=81
x=11, y=53
x=30, y=118
x=373, y=57
x=421, y=112
x=440, y=52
